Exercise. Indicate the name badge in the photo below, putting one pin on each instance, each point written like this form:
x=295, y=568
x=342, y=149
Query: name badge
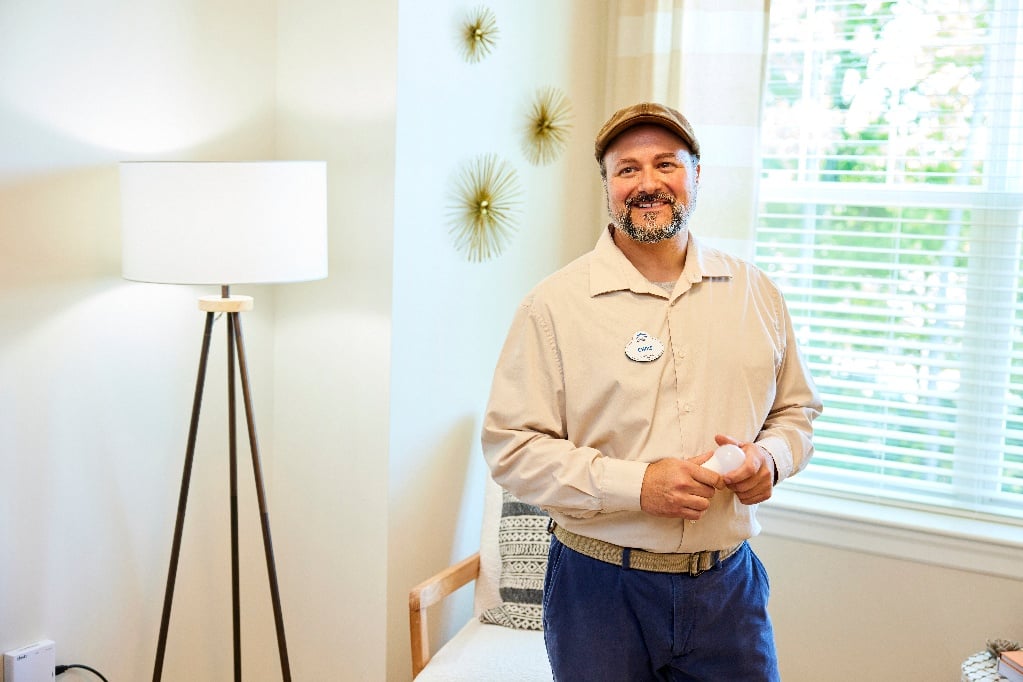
x=644, y=348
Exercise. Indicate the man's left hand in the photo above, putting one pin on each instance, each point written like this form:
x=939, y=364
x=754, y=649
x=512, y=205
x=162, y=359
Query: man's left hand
x=753, y=482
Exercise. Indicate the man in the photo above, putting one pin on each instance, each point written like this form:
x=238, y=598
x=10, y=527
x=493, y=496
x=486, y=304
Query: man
x=621, y=374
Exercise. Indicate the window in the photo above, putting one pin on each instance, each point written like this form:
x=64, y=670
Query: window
x=891, y=215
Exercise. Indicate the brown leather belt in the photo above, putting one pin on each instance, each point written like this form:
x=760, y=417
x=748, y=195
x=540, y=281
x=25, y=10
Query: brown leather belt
x=694, y=563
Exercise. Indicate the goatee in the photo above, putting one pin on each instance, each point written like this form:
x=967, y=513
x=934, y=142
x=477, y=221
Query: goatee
x=649, y=230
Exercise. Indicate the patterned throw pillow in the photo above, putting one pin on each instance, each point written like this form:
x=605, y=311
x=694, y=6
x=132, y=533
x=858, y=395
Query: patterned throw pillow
x=523, y=542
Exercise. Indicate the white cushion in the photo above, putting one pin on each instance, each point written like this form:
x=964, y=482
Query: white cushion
x=482, y=653
x=487, y=593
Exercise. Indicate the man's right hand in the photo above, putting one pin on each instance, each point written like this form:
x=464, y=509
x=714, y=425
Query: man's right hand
x=679, y=488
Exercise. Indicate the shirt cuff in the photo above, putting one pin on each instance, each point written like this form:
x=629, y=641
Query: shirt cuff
x=621, y=484
x=779, y=451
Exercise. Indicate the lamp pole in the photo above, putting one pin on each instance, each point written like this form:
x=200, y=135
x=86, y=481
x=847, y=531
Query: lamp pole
x=232, y=306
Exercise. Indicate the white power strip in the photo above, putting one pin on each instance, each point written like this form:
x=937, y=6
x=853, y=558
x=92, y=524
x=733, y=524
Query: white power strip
x=32, y=663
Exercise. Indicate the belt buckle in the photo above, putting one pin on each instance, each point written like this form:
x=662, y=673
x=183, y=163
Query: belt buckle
x=695, y=561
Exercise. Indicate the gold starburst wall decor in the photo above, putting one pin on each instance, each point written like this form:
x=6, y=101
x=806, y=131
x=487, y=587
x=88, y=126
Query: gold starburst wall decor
x=548, y=126
x=485, y=206
x=479, y=34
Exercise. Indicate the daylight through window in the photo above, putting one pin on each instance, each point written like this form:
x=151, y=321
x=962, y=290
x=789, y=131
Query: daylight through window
x=890, y=215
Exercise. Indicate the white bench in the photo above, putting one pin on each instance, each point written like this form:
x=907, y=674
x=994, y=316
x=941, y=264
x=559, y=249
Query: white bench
x=479, y=652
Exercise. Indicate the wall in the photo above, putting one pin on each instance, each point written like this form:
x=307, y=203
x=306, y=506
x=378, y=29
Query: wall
x=96, y=373
x=846, y=616
x=451, y=315
x=336, y=101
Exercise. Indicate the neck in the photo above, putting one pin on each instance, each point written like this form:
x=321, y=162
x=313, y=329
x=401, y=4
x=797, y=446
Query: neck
x=661, y=261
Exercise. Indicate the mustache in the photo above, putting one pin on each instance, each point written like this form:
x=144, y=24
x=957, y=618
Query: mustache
x=644, y=197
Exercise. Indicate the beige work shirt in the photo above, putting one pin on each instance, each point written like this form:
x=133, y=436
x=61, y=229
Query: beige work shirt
x=572, y=422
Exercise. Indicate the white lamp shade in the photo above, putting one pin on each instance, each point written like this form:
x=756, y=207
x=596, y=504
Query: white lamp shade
x=224, y=222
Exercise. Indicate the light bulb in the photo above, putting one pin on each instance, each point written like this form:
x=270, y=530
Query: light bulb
x=725, y=458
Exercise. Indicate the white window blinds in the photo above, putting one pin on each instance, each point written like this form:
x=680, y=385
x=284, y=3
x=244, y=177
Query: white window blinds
x=890, y=215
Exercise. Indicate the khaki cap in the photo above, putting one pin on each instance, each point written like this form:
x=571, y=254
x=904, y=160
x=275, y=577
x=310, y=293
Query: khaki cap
x=645, y=112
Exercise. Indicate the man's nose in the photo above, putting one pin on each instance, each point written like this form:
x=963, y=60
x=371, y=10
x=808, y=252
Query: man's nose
x=648, y=180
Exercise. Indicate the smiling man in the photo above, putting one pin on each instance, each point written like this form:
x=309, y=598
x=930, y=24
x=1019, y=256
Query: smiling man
x=621, y=374
x=664, y=196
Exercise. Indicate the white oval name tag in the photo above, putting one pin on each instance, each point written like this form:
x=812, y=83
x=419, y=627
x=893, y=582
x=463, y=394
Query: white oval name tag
x=644, y=348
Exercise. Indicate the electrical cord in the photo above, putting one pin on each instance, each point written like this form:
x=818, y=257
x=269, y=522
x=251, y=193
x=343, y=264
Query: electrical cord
x=61, y=669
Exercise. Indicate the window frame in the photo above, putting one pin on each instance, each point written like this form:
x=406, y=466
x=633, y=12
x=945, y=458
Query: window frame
x=921, y=536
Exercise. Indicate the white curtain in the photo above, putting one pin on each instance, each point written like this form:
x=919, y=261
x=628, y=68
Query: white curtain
x=705, y=58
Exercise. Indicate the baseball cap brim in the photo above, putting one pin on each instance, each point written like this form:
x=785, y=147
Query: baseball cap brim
x=638, y=114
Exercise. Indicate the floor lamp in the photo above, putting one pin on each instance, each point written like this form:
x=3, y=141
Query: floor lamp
x=224, y=223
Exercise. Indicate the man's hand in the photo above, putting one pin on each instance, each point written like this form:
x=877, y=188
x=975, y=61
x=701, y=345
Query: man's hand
x=679, y=488
x=753, y=482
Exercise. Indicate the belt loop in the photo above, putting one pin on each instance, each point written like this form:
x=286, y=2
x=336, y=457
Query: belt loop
x=626, y=554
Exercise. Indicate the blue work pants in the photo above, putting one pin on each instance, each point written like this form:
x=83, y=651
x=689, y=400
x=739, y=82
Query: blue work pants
x=606, y=623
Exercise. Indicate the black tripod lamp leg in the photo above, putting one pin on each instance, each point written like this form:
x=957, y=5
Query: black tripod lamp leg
x=232, y=432
x=179, y=524
x=264, y=516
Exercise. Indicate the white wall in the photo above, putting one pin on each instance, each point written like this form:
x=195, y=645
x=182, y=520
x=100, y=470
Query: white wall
x=336, y=101
x=451, y=315
x=845, y=616
x=96, y=373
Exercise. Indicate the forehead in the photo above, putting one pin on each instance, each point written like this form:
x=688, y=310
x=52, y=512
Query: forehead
x=645, y=138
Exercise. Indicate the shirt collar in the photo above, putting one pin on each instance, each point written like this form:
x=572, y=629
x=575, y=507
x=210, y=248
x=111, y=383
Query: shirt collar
x=611, y=271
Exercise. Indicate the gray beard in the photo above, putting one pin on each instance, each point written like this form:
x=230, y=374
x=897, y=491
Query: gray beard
x=649, y=232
